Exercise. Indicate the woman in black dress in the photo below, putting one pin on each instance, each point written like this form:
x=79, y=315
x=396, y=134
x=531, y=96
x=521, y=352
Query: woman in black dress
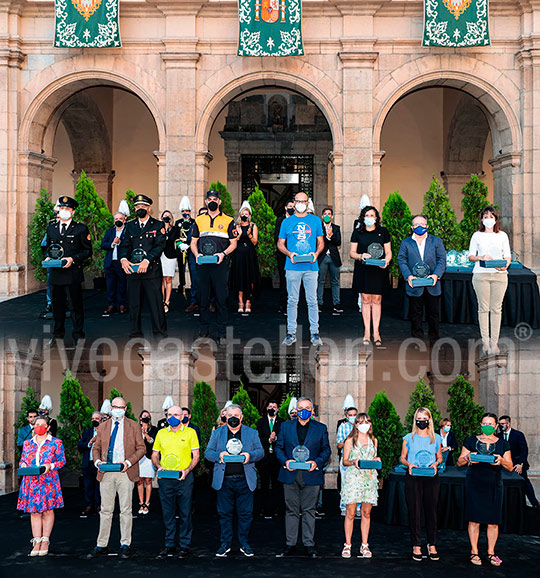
x=370, y=281
x=484, y=487
x=245, y=276
x=146, y=468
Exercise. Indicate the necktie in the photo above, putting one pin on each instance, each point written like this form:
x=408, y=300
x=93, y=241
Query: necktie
x=110, y=451
x=63, y=231
x=505, y=437
x=271, y=425
x=142, y=224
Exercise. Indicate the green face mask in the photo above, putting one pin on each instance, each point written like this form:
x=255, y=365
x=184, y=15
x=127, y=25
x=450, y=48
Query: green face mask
x=488, y=429
x=327, y=218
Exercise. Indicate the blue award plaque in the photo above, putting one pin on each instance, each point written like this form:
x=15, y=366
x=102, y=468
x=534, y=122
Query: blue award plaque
x=110, y=467
x=485, y=453
x=54, y=253
x=138, y=255
x=208, y=250
x=423, y=459
x=303, y=253
x=376, y=250
x=234, y=447
x=401, y=469
x=421, y=271
x=492, y=263
x=369, y=465
x=515, y=263
x=168, y=474
x=300, y=456
x=31, y=471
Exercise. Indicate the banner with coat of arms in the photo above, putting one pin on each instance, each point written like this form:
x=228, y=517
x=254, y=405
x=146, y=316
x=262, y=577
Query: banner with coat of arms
x=456, y=23
x=270, y=28
x=87, y=23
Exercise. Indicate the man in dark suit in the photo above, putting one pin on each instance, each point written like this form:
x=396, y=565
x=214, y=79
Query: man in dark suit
x=281, y=258
x=186, y=420
x=520, y=453
x=115, y=277
x=421, y=247
x=66, y=281
x=301, y=487
x=330, y=261
x=146, y=236
x=91, y=487
x=184, y=254
x=268, y=427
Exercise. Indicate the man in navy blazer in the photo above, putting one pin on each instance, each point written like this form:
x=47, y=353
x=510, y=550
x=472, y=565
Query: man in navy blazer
x=115, y=277
x=234, y=482
x=423, y=247
x=301, y=487
x=92, y=496
x=520, y=453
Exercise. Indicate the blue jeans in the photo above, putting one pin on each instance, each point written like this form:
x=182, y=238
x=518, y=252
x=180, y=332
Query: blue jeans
x=49, y=298
x=235, y=490
x=177, y=496
x=294, y=280
x=192, y=264
x=324, y=266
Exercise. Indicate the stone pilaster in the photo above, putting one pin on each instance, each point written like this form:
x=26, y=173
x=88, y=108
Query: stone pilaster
x=103, y=183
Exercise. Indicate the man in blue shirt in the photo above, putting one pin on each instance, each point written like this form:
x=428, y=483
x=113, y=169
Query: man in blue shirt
x=301, y=234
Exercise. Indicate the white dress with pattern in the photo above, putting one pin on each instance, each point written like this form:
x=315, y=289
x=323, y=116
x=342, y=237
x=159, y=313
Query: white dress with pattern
x=360, y=486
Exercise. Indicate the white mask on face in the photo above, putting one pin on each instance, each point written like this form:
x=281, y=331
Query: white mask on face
x=118, y=413
x=489, y=222
x=301, y=207
x=363, y=428
x=64, y=214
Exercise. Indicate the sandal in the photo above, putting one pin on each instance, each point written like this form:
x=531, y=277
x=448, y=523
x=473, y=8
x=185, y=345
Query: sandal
x=365, y=552
x=166, y=306
x=248, y=307
x=34, y=542
x=494, y=560
x=141, y=509
x=366, y=341
x=475, y=559
x=44, y=552
x=145, y=509
x=417, y=557
x=377, y=343
x=346, y=552
x=240, y=308
x=432, y=555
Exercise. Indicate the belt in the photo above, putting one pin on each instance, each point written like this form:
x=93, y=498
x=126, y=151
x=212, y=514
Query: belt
x=235, y=476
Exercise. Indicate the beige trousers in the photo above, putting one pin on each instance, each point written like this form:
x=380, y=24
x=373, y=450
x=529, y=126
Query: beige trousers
x=490, y=289
x=115, y=483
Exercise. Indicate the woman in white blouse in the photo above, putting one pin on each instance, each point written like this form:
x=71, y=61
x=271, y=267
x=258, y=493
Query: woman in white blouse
x=490, y=284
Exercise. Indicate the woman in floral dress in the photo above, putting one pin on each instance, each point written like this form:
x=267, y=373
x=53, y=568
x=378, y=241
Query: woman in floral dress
x=359, y=486
x=41, y=495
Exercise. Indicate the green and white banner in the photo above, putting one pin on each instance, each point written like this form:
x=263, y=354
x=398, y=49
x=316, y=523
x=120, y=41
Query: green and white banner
x=87, y=23
x=456, y=23
x=270, y=28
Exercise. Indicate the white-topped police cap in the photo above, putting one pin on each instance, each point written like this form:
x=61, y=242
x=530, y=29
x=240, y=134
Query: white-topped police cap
x=364, y=201
x=56, y=207
x=228, y=404
x=292, y=405
x=184, y=205
x=246, y=205
x=46, y=403
x=123, y=208
x=348, y=402
x=106, y=407
x=167, y=403
x=310, y=206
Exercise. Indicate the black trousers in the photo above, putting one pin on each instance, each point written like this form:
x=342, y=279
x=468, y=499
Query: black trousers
x=271, y=495
x=281, y=260
x=181, y=272
x=213, y=280
x=60, y=294
x=177, y=496
x=529, y=490
x=92, y=496
x=116, y=281
x=422, y=493
x=416, y=314
x=149, y=290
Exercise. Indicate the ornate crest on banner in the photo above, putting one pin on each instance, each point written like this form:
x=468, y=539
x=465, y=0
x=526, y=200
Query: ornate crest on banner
x=270, y=10
x=457, y=7
x=86, y=8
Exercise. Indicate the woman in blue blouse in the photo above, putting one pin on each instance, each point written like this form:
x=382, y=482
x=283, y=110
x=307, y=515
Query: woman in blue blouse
x=422, y=448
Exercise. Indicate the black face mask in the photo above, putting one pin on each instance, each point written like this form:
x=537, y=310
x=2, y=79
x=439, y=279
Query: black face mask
x=166, y=219
x=422, y=423
x=185, y=419
x=145, y=419
x=95, y=423
x=186, y=216
x=271, y=412
x=290, y=212
x=119, y=224
x=244, y=218
x=212, y=206
x=234, y=422
x=223, y=418
x=141, y=213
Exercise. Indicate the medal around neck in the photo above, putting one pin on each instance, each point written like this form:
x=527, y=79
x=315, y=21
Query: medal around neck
x=31, y=471
x=376, y=250
x=55, y=253
x=138, y=255
x=424, y=460
x=300, y=456
x=303, y=253
x=421, y=271
x=208, y=250
x=485, y=453
x=234, y=447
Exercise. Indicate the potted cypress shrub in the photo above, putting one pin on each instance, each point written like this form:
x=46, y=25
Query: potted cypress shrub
x=251, y=415
x=225, y=196
x=204, y=413
x=441, y=217
x=265, y=219
x=129, y=410
x=396, y=217
x=474, y=200
x=422, y=396
x=130, y=200
x=43, y=213
x=284, y=407
x=29, y=402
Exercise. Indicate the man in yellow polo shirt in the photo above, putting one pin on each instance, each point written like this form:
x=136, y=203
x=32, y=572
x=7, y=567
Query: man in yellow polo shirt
x=176, y=448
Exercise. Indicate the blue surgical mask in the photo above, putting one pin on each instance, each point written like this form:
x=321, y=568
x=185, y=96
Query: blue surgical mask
x=420, y=230
x=369, y=221
x=351, y=419
x=173, y=421
x=303, y=413
x=447, y=428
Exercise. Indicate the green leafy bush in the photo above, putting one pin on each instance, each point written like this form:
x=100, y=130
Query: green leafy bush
x=440, y=215
x=130, y=198
x=129, y=410
x=474, y=200
x=265, y=219
x=204, y=413
x=396, y=217
x=251, y=415
x=422, y=396
x=284, y=407
x=43, y=213
x=226, y=203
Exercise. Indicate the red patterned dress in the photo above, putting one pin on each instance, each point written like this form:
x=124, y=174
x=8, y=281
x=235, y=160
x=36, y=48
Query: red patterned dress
x=41, y=493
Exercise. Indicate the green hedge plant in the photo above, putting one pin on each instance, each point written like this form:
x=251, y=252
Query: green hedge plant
x=43, y=213
x=441, y=217
x=474, y=199
x=225, y=196
x=251, y=415
x=265, y=219
x=422, y=396
x=396, y=217
x=204, y=413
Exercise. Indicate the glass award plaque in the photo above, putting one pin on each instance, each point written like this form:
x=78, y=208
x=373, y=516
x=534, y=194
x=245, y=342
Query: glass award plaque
x=369, y=465
x=31, y=471
x=300, y=456
x=208, y=250
x=452, y=258
x=485, y=453
x=234, y=447
x=376, y=250
x=421, y=271
x=168, y=474
x=54, y=253
x=303, y=253
x=137, y=257
x=110, y=467
x=515, y=263
x=493, y=263
x=424, y=460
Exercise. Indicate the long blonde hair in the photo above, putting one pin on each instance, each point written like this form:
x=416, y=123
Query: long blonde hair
x=431, y=429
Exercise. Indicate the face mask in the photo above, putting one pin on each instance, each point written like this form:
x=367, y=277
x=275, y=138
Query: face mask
x=351, y=419
x=185, y=215
x=223, y=418
x=212, y=206
x=327, y=218
x=290, y=212
x=503, y=427
x=244, y=218
x=422, y=423
x=166, y=219
x=489, y=223
x=488, y=429
x=185, y=419
x=363, y=427
x=447, y=428
x=173, y=421
x=303, y=413
x=41, y=412
x=141, y=213
x=369, y=221
x=118, y=413
x=234, y=421
x=271, y=412
x=119, y=224
x=419, y=230
x=301, y=207
x=145, y=419
x=95, y=423
x=64, y=214
x=40, y=430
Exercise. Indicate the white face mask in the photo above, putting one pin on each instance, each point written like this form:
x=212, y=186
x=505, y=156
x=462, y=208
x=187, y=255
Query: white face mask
x=363, y=427
x=118, y=413
x=489, y=223
x=369, y=221
x=64, y=214
x=301, y=207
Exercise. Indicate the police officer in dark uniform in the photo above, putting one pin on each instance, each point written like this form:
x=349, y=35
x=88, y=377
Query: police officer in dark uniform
x=217, y=230
x=66, y=282
x=144, y=236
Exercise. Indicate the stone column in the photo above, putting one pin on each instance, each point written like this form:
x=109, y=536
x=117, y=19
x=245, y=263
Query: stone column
x=18, y=370
x=103, y=183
